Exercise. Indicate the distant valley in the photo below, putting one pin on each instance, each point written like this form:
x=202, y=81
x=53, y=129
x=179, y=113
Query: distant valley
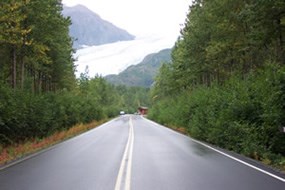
x=142, y=74
x=89, y=29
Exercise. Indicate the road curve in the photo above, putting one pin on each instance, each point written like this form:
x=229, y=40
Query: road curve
x=131, y=152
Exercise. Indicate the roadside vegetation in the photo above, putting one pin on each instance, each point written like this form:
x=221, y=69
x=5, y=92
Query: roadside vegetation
x=226, y=82
x=16, y=151
x=225, y=85
x=30, y=122
x=41, y=100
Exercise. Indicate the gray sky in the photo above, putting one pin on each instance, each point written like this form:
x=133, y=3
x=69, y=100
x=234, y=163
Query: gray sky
x=140, y=17
x=155, y=23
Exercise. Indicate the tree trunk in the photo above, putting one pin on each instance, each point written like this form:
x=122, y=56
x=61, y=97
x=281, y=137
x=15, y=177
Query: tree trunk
x=34, y=87
x=14, y=68
x=280, y=49
x=22, y=73
x=39, y=82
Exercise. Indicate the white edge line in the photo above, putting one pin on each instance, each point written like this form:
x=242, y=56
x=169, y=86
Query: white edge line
x=240, y=161
x=227, y=155
x=31, y=155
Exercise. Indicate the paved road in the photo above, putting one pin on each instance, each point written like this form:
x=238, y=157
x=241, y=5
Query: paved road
x=131, y=152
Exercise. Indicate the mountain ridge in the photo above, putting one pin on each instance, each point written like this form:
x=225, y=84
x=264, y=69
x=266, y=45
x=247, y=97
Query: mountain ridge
x=88, y=28
x=143, y=73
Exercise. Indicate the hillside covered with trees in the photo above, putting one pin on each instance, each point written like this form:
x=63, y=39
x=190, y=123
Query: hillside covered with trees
x=226, y=82
x=143, y=73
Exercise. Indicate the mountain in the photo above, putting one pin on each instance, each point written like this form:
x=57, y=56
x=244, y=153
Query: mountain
x=89, y=29
x=142, y=74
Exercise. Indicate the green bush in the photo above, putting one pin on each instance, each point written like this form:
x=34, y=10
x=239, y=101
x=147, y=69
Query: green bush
x=244, y=115
x=24, y=115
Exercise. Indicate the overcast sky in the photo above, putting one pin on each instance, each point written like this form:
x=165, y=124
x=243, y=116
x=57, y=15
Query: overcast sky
x=140, y=17
x=155, y=23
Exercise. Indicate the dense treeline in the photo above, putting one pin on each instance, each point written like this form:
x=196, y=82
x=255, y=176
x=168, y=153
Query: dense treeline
x=39, y=93
x=36, y=61
x=226, y=83
x=25, y=115
x=35, y=48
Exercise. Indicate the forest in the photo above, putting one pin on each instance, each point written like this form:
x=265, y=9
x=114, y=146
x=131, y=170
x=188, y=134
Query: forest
x=39, y=93
x=226, y=82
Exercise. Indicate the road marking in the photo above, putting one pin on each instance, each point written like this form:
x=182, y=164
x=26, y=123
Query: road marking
x=127, y=157
x=130, y=158
x=240, y=161
x=31, y=155
x=227, y=155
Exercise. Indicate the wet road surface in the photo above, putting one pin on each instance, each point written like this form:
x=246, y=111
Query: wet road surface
x=131, y=152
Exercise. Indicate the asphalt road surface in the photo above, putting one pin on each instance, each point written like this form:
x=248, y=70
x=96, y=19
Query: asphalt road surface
x=131, y=152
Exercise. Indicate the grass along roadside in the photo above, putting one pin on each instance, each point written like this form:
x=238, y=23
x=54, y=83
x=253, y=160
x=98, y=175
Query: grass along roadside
x=17, y=151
